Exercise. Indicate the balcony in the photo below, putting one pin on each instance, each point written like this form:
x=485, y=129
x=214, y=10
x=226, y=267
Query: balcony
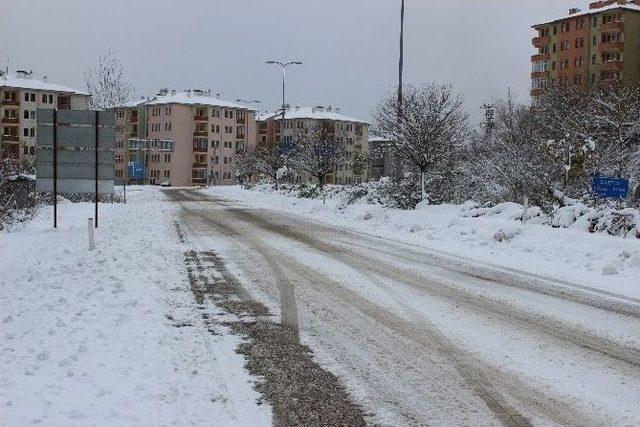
x=240, y=120
x=10, y=120
x=10, y=103
x=540, y=57
x=611, y=47
x=612, y=66
x=199, y=149
x=240, y=136
x=613, y=26
x=200, y=133
x=199, y=165
x=541, y=41
x=537, y=92
x=64, y=103
x=539, y=74
x=199, y=180
x=10, y=138
x=200, y=118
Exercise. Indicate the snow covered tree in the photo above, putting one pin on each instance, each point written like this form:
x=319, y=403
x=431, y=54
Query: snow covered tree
x=268, y=160
x=245, y=165
x=318, y=151
x=508, y=164
x=618, y=117
x=566, y=116
x=107, y=84
x=426, y=129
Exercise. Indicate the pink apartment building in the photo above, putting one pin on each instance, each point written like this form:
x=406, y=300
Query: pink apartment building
x=185, y=138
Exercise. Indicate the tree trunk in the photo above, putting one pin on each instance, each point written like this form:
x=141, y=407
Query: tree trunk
x=422, y=193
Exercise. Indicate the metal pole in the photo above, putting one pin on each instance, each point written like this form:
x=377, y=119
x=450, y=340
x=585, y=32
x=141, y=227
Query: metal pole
x=400, y=69
x=55, y=168
x=96, y=175
x=401, y=61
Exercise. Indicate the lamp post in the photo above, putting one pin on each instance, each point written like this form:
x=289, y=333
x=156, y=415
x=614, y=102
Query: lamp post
x=284, y=66
x=400, y=67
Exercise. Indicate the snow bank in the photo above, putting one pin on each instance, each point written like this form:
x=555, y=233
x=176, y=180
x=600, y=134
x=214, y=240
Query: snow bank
x=492, y=235
x=112, y=337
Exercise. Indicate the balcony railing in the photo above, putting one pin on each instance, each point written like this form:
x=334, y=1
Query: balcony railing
x=200, y=133
x=541, y=40
x=10, y=120
x=10, y=138
x=11, y=102
x=199, y=180
x=612, y=26
x=200, y=118
x=240, y=136
x=539, y=74
x=199, y=165
x=199, y=149
x=540, y=57
x=612, y=66
x=611, y=47
x=240, y=120
x=537, y=92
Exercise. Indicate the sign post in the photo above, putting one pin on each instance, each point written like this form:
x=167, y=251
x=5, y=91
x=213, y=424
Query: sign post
x=75, y=154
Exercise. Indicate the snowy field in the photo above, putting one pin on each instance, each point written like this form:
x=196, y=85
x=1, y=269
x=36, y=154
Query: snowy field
x=97, y=338
x=606, y=263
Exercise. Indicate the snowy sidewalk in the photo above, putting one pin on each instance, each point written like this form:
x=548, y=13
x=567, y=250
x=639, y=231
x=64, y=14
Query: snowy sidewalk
x=112, y=337
x=598, y=261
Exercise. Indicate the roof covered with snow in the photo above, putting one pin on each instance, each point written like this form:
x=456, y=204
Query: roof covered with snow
x=195, y=98
x=376, y=138
x=630, y=7
x=18, y=82
x=317, y=113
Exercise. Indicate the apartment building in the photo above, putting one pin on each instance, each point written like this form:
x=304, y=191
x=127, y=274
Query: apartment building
x=21, y=95
x=184, y=138
x=354, y=131
x=601, y=45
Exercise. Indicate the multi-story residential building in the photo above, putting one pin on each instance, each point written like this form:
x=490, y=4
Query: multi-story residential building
x=354, y=132
x=20, y=97
x=185, y=138
x=601, y=45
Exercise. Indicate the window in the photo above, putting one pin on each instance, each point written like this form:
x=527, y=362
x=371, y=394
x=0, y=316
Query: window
x=564, y=45
x=25, y=150
x=26, y=96
x=32, y=114
x=119, y=173
x=33, y=97
x=32, y=150
x=553, y=48
x=50, y=99
x=611, y=37
x=166, y=174
x=595, y=21
x=167, y=158
x=26, y=114
x=32, y=132
x=25, y=132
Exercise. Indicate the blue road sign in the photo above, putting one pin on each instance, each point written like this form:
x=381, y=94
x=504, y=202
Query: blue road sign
x=610, y=188
x=136, y=170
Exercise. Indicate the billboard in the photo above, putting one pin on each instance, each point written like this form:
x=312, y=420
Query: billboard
x=76, y=135
x=610, y=188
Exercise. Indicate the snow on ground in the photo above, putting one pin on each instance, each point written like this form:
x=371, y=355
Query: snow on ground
x=598, y=261
x=112, y=337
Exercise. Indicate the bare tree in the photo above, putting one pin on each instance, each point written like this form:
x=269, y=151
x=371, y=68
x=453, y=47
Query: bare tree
x=426, y=129
x=318, y=151
x=107, y=83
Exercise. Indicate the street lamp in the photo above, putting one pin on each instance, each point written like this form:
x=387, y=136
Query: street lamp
x=284, y=66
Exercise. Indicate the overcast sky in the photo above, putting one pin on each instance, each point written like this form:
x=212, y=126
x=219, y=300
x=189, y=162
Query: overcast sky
x=349, y=47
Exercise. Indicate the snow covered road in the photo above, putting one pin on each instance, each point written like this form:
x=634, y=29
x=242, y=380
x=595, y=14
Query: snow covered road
x=425, y=339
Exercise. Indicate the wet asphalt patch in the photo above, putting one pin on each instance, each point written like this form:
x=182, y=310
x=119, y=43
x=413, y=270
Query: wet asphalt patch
x=298, y=389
